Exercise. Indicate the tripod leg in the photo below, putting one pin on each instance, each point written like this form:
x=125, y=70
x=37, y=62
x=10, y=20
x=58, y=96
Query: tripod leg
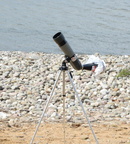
x=85, y=114
x=64, y=104
x=48, y=101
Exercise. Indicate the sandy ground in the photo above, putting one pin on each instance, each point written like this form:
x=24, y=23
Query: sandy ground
x=55, y=133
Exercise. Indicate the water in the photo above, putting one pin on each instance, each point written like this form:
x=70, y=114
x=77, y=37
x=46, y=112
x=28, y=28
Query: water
x=89, y=26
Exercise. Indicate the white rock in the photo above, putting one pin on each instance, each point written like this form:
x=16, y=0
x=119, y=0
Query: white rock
x=104, y=91
x=3, y=115
x=95, y=104
x=33, y=56
x=104, y=86
x=110, y=80
x=122, y=89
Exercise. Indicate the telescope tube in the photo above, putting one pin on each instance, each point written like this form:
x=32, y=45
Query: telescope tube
x=65, y=47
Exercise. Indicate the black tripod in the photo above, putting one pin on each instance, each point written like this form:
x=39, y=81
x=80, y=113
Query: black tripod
x=63, y=69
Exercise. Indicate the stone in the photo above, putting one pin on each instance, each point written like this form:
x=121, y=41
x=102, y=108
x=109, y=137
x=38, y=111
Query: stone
x=3, y=115
x=110, y=80
x=1, y=88
x=104, y=91
x=95, y=104
x=27, y=79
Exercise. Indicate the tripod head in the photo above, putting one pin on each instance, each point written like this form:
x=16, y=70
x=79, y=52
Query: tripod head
x=64, y=66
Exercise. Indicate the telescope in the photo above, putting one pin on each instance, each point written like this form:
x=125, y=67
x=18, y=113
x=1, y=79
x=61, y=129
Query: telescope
x=70, y=55
x=76, y=64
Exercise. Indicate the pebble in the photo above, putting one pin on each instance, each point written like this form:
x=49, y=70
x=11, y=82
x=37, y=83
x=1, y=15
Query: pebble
x=27, y=79
x=3, y=115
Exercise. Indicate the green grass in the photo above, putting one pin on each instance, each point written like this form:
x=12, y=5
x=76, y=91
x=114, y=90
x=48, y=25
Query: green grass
x=124, y=73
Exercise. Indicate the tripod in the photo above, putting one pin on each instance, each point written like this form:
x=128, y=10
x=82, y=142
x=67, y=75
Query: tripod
x=63, y=69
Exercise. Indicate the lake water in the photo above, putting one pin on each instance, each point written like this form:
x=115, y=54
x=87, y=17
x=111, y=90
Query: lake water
x=89, y=26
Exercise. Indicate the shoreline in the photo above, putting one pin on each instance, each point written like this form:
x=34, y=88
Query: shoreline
x=61, y=53
x=26, y=80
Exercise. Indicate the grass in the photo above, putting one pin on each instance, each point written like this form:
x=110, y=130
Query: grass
x=124, y=73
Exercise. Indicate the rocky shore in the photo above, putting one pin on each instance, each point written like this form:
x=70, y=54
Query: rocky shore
x=26, y=80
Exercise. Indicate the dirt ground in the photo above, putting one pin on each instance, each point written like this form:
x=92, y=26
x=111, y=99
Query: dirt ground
x=57, y=133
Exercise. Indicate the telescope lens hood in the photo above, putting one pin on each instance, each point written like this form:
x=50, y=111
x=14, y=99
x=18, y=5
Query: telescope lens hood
x=59, y=39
